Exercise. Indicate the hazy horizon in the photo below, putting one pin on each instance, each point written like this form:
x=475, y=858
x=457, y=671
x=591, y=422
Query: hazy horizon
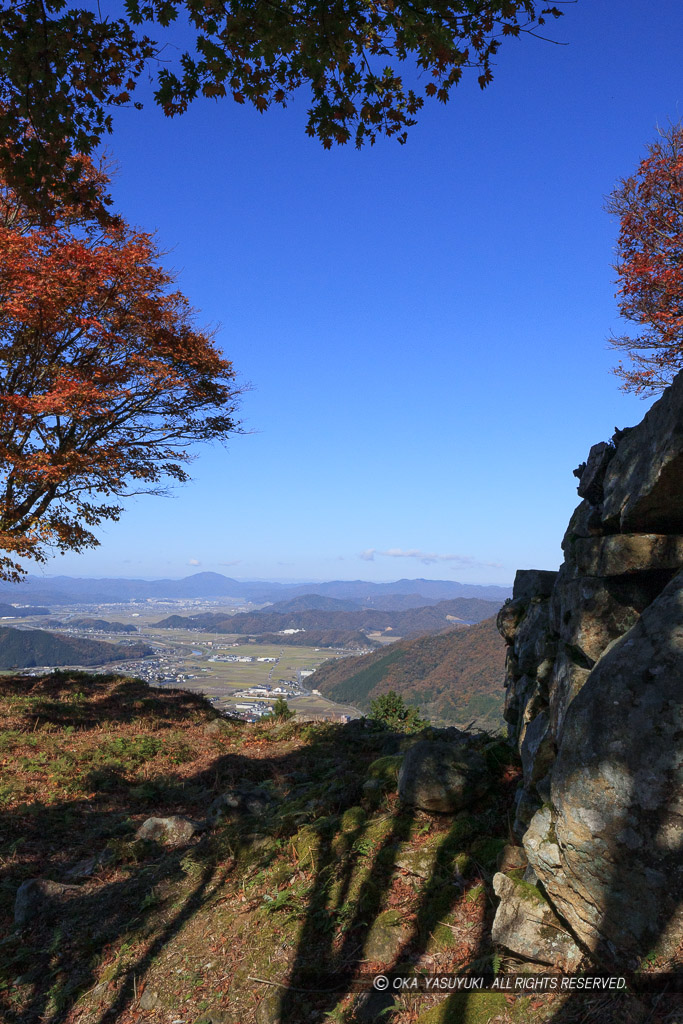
x=295, y=581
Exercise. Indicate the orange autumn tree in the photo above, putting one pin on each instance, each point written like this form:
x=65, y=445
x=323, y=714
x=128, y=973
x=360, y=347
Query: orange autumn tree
x=650, y=265
x=104, y=378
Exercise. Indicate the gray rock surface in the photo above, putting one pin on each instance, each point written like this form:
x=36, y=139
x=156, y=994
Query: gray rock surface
x=388, y=933
x=594, y=675
x=622, y=553
x=38, y=897
x=89, y=865
x=530, y=583
x=588, y=612
x=241, y=800
x=511, y=858
x=642, y=486
x=173, y=831
x=526, y=924
x=615, y=870
x=442, y=776
x=373, y=1007
x=592, y=474
x=538, y=748
x=420, y=861
x=148, y=999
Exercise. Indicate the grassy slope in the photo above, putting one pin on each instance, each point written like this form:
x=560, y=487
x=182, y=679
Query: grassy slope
x=453, y=677
x=160, y=934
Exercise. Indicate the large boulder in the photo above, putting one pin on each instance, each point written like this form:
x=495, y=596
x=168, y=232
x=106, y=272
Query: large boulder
x=588, y=612
x=609, y=853
x=592, y=474
x=533, y=642
x=623, y=553
x=642, y=490
x=442, y=775
x=530, y=583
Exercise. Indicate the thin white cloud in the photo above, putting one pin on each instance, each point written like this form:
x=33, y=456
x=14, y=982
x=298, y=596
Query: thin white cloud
x=193, y=561
x=427, y=557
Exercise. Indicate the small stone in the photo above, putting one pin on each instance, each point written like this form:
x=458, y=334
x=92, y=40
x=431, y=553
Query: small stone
x=511, y=858
x=87, y=867
x=372, y=1007
x=37, y=897
x=388, y=933
x=99, y=992
x=420, y=862
x=371, y=786
x=217, y=727
x=173, y=831
x=240, y=800
x=148, y=1000
x=269, y=1009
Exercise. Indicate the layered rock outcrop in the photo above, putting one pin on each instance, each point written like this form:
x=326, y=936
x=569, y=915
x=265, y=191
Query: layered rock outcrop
x=594, y=683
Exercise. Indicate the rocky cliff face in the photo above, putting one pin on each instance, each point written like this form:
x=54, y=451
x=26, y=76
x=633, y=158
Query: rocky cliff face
x=594, y=682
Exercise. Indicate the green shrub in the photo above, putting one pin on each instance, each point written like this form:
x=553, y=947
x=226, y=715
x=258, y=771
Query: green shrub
x=391, y=711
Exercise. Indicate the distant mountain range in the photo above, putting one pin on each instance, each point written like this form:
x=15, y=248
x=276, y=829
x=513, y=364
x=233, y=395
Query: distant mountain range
x=335, y=616
x=66, y=590
x=454, y=678
x=28, y=648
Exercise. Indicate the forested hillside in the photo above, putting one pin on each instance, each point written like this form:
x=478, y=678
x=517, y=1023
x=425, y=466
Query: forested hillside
x=26, y=648
x=347, y=638
x=90, y=623
x=454, y=677
x=411, y=620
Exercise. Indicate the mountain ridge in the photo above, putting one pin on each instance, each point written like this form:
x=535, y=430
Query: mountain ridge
x=430, y=618
x=60, y=590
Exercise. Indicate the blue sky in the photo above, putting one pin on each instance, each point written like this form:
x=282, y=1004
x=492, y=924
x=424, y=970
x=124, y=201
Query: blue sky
x=424, y=326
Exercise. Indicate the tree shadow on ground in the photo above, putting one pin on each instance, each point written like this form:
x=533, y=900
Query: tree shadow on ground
x=325, y=848
x=75, y=939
